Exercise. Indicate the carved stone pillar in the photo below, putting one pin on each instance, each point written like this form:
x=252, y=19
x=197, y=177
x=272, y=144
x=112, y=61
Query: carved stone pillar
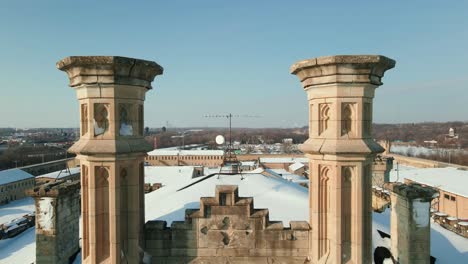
x=111, y=149
x=340, y=90
x=381, y=170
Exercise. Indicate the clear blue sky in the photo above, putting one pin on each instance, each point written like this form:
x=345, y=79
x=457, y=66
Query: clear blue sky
x=234, y=56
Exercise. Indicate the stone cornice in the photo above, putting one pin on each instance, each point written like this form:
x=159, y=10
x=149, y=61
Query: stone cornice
x=109, y=70
x=342, y=69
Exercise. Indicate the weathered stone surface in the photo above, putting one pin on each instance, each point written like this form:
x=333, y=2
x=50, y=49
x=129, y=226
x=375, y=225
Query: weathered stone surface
x=410, y=222
x=340, y=90
x=111, y=92
x=109, y=70
x=57, y=221
x=343, y=69
x=227, y=226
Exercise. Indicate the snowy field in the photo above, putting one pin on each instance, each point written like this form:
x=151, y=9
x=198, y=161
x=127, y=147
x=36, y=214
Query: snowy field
x=16, y=209
x=22, y=248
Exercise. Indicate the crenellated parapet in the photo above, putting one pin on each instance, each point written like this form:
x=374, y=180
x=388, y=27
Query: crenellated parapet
x=227, y=227
x=381, y=167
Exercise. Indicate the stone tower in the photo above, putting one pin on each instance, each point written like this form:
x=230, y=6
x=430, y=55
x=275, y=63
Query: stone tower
x=111, y=149
x=340, y=90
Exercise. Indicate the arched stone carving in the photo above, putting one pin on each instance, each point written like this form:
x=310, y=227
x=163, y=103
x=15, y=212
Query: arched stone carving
x=125, y=117
x=140, y=120
x=124, y=210
x=311, y=119
x=346, y=198
x=84, y=119
x=367, y=118
x=102, y=211
x=101, y=119
x=85, y=208
x=324, y=117
x=347, y=117
x=324, y=172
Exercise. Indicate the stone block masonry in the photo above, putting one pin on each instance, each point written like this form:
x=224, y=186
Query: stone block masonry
x=57, y=221
x=227, y=229
x=340, y=91
x=410, y=222
x=111, y=91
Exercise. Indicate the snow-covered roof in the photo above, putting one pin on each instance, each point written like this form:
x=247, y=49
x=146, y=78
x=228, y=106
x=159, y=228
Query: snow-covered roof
x=284, y=160
x=175, y=152
x=61, y=173
x=285, y=200
x=282, y=173
x=13, y=175
x=448, y=179
x=248, y=163
x=296, y=165
x=168, y=174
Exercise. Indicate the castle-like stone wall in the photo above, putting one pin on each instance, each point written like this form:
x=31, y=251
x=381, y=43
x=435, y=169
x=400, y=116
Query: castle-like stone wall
x=410, y=222
x=227, y=229
x=57, y=221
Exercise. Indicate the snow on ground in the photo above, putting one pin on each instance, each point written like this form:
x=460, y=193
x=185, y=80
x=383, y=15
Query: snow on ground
x=20, y=249
x=16, y=209
x=420, y=150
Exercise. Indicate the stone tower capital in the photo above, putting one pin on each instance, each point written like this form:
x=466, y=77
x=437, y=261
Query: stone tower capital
x=342, y=69
x=109, y=70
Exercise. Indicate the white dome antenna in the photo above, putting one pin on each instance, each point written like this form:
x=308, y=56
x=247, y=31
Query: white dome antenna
x=220, y=140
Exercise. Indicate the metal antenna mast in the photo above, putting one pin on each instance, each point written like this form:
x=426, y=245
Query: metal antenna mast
x=230, y=159
x=230, y=116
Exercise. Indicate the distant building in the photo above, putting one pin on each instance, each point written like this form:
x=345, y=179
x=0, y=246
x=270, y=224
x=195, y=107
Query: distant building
x=13, y=184
x=164, y=157
x=451, y=184
x=452, y=135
